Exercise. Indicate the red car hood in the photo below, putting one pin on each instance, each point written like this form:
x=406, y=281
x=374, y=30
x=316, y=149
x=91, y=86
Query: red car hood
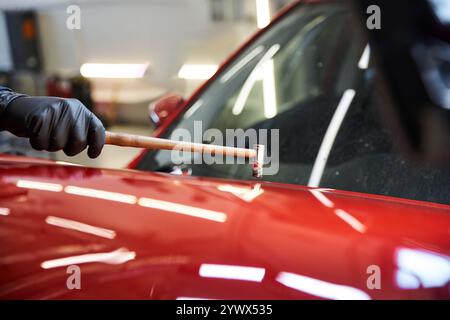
x=157, y=236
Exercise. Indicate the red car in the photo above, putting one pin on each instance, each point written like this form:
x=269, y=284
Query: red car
x=346, y=216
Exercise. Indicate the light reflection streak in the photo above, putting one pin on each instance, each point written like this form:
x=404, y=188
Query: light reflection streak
x=321, y=288
x=365, y=58
x=44, y=186
x=256, y=74
x=269, y=90
x=243, y=62
x=113, y=70
x=322, y=198
x=129, y=199
x=183, y=209
x=81, y=227
x=231, y=272
x=118, y=256
x=421, y=268
x=441, y=9
x=330, y=136
x=100, y=194
x=4, y=212
x=344, y=215
x=262, y=13
x=193, y=109
x=245, y=194
x=352, y=221
x=192, y=298
x=68, y=163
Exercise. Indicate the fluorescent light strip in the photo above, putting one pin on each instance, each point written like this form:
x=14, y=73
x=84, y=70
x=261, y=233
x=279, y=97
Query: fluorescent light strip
x=183, y=209
x=231, y=272
x=330, y=136
x=100, y=194
x=321, y=288
x=352, y=221
x=4, y=212
x=262, y=13
x=197, y=71
x=44, y=186
x=118, y=256
x=365, y=58
x=81, y=227
x=111, y=70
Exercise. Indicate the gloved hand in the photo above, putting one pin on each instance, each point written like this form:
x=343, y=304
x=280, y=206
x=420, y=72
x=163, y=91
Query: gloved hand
x=54, y=124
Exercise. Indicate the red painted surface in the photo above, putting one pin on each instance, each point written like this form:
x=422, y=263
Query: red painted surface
x=322, y=241
x=149, y=236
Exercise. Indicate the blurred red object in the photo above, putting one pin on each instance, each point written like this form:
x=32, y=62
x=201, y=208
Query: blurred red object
x=59, y=87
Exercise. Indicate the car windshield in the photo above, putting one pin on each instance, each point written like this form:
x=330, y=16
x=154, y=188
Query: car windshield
x=311, y=77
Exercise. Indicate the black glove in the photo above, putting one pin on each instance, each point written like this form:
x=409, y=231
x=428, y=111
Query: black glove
x=54, y=124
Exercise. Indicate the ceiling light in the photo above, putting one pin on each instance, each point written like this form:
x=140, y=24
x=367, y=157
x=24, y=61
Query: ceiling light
x=110, y=70
x=262, y=13
x=321, y=288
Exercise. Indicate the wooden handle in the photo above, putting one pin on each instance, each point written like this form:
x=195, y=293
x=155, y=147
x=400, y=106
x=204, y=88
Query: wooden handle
x=130, y=140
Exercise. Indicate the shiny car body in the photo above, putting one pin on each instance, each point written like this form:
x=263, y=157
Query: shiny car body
x=156, y=236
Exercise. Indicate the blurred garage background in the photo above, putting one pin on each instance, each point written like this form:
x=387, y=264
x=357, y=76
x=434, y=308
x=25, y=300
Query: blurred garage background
x=120, y=57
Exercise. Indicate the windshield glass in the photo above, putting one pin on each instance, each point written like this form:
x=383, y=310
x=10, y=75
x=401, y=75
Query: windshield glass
x=310, y=77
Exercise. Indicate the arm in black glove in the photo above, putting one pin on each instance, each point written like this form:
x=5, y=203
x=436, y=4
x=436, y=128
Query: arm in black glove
x=52, y=123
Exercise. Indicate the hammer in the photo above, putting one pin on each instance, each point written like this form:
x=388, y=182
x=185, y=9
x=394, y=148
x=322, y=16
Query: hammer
x=137, y=141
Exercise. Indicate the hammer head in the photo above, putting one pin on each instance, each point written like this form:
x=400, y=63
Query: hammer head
x=258, y=161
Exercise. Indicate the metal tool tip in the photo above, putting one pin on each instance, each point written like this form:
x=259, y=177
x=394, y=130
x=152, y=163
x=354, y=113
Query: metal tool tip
x=258, y=161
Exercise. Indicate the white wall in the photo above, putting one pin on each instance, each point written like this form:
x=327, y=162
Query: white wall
x=155, y=31
x=165, y=33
